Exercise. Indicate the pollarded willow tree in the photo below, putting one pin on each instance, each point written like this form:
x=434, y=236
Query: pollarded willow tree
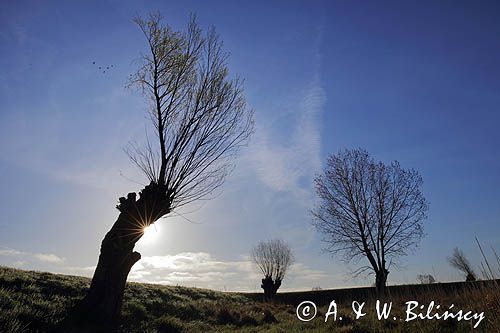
x=273, y=258
x=370, y=210
x=200, y=120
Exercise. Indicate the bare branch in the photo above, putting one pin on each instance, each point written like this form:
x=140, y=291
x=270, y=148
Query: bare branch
x=273, y=258
x=460, y=262
x=199, y=113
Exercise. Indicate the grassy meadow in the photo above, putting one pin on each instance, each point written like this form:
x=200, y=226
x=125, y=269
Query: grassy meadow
x=37, y=302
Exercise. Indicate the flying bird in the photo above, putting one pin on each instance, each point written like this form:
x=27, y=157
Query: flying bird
x=103, y=68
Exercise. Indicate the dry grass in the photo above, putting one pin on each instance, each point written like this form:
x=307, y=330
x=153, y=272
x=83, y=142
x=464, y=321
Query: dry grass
x=33, y=301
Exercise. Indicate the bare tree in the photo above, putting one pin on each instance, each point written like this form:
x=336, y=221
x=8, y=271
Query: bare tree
x=460, y=262
x=369, y=209
x=200, y=120
x=273, y=258
x=425, y=279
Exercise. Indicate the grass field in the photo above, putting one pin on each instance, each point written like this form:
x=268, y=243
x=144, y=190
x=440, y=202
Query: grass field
x=37, y=301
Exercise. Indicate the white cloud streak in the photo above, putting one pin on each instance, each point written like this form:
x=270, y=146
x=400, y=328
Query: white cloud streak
x=22, y=257
x=52, y=258
x=289, y=165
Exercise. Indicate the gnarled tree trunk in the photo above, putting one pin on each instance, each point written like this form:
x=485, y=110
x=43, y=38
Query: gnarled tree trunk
x=270, y=288
x=100, y=309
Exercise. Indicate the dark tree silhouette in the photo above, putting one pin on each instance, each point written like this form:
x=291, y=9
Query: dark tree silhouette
x=200, y=121
x=425, y=279
x=460, y=262
x=273, y=258
x=369, y=210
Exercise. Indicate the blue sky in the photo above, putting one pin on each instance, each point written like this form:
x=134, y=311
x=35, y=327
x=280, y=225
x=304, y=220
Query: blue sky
x=416, y=82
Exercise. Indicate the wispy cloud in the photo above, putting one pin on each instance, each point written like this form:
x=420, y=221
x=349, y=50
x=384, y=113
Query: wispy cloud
x=8, y=252
x=20, y=258
x=287, y=163
x=52, y=258
x=87, y=271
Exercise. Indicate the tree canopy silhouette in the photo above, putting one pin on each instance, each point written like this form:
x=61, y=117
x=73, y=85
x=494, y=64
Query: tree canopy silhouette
x=369, y=209
x=273, y=258
x=460, y=262
x=200, y=120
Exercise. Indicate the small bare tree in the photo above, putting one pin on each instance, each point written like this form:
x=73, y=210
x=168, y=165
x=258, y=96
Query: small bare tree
x=460, y=262
x=425, y=279
x=200, y=120
x=369, y=210
x=273, y=258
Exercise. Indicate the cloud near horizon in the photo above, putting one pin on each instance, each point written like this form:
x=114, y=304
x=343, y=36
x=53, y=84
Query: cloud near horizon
x=21, y=258
x=191, y=269
x=201, y=269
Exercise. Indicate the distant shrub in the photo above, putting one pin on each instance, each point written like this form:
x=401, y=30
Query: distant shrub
x=425, y=279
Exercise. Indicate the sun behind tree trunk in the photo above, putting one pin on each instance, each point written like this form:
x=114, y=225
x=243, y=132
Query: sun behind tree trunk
x=104, y=299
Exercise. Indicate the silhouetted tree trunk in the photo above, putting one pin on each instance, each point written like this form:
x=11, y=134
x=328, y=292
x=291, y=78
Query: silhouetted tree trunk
x=101, y=307
x=381, y=281
x=270, y=288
